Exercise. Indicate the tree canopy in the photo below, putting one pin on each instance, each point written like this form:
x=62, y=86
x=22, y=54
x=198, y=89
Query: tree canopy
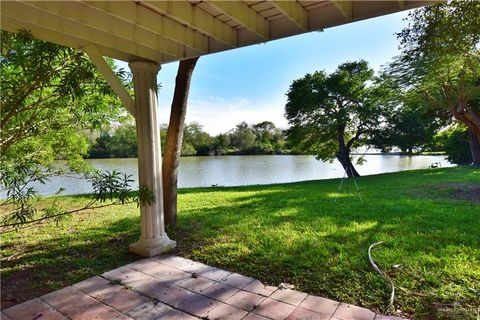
x=440, y=58
x=50, y=94
x=330, y=114
x=409, y=124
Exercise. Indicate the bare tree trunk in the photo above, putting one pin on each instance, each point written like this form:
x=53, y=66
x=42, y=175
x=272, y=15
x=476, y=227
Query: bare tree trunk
x=173, y=143
x=344, y=159
x=343, y=155
x=474, y=148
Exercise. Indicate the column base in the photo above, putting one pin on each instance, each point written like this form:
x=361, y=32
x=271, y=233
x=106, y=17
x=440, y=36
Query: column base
x=152, y=247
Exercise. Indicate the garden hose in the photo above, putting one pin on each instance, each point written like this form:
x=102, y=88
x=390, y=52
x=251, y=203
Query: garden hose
x=384, y=276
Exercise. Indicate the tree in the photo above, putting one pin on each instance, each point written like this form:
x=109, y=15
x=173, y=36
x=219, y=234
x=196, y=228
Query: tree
x=332, y=114
x=269, y=139
x=242, y=137
x=174, y=138
x=101, y=147
x=474, y=144
x=440, y=59
x=124, y=142
x=455, y=143
x=409, y=125
x=265, y=130
x=120, y=142
x=197, y=138
x=221, y=144
x=50, y=94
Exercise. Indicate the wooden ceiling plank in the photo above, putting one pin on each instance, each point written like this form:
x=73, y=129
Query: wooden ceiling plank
x=294, y=12
x=49, y=21
x=345, y=8
x=14, y=25
x=241, y=13
x=79, y=20
x=195, y=17
x=152, y=21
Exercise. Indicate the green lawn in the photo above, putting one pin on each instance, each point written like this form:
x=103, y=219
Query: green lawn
x=295, y=233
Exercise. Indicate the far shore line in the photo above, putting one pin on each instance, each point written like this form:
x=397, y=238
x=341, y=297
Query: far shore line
x=291, y=154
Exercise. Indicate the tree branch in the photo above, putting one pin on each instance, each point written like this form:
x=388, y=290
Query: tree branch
x=354, y=139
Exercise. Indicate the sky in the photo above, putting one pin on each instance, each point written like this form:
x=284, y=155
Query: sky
x=249, y=84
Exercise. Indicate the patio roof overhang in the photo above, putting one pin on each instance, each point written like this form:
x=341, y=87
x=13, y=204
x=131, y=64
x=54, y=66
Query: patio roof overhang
x=150, y=33
x=166, y=31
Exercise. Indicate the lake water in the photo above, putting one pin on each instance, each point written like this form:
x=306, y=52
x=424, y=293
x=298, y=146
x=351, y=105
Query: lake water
x=248, y=170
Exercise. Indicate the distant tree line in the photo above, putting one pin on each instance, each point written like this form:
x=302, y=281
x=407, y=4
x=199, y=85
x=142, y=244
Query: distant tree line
x=409, y=132
x=244, y=139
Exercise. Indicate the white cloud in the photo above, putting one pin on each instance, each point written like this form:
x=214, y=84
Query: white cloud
x=219, y=115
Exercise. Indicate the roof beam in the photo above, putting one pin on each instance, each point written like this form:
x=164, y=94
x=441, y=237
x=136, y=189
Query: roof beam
x=294, y=12
x=94, y=26
x=345, y=8
x=240, y=12
x=152, y=21
x=14, y=25
x=38, y=19
x=195, y=17
x=110, y=77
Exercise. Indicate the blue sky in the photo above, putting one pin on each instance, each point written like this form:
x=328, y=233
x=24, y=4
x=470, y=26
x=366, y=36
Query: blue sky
x=249, y=84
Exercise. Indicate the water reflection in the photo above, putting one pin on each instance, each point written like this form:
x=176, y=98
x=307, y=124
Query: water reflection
x=247, y=170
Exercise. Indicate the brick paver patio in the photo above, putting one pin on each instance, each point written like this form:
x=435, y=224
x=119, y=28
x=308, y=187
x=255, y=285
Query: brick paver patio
x=174, y=288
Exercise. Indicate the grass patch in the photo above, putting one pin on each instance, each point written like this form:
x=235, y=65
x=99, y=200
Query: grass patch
x=295, y=233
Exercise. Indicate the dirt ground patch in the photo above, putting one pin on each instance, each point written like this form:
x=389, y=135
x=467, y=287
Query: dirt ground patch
x=459, y=191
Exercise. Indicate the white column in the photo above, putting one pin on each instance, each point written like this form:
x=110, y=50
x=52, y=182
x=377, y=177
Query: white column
x=153, y=239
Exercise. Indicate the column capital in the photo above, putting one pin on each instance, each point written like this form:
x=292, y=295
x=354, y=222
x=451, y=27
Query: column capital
x=142, y=66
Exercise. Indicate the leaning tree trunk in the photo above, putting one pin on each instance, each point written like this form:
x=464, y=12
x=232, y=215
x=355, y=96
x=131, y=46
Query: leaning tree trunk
x=173, y=143
x=474, y=148
x=344, y=159
x=343, y=156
